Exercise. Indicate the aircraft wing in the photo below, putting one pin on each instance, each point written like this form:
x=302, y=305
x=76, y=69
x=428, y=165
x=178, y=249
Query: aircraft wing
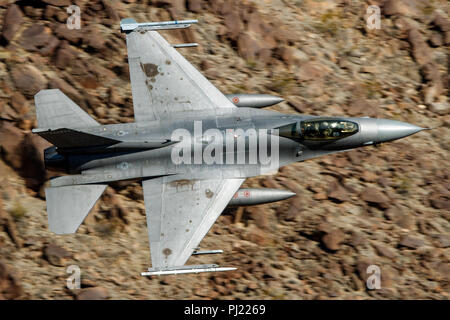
x=179, y=214
x=164, y=82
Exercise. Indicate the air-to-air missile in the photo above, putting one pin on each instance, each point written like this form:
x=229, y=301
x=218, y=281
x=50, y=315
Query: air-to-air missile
x=250, y=197
x=129, y=25
x=247, y=100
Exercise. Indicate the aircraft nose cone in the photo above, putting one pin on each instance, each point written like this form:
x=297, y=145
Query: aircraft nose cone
x=389, y=130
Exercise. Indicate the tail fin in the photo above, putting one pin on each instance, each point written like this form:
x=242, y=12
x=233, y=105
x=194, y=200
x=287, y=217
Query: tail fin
x=55, y=110
x=68, y=206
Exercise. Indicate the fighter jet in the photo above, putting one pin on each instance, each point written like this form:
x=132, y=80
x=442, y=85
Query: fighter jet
x=190, y=145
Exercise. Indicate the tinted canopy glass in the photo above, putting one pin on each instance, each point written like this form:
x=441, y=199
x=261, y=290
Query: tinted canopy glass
x=319, y=129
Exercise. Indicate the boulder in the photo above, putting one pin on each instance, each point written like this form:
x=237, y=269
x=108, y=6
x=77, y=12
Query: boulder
x=66, y=57
x=94, y=39
x=248, y=47
x=28, y=79
x=72, y=35
x=233, y=24
x=337, y=192
x=375, y=197
x=12, y=21
x=436, y=40
x=357, y=239
x=10, y=145
x=431, y=93
x=385, y=251
x=256, y=24
x=116, y=208
x=19, y=104
x=421, y=52
x=409, y=8
x=441, y=22
x=110, y=9
x=295, y=209
x=33, y=168
x=411, y=242
x=430, y=73
x=406, y=221
x=368, y=176
x=194, y=5
x=51, y=12
x=264, y=56
x=440, y=108
x=10, y=288
x=56, y=255
x=440, y=202
x=361, y=268
x=333, y=239
x=291, y=55
x=393, y=213
x=8, y=224
x=38, y=38
x=24, y=153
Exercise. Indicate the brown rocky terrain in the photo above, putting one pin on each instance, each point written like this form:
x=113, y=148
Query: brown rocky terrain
x=386, y=205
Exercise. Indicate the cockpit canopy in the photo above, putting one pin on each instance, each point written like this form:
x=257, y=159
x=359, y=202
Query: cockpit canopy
x=319, y=129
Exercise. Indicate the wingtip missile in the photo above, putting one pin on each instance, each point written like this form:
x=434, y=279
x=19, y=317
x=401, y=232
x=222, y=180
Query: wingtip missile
x=129, y=25
x=186, y=269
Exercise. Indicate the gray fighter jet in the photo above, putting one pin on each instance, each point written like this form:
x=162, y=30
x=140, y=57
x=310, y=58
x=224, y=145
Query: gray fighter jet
x=191, y=146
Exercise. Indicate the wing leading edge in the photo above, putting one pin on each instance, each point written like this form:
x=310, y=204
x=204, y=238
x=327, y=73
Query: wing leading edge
x=164, y=82
x=179, y=214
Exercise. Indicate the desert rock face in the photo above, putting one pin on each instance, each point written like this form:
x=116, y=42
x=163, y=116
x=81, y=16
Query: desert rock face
x=386, y=206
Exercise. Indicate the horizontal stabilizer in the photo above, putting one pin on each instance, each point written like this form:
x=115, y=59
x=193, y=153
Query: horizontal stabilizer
x=55, y=110
x=68, y=206
x=68, y=138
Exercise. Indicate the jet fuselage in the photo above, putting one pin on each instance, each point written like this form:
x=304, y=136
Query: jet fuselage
x=134, y=159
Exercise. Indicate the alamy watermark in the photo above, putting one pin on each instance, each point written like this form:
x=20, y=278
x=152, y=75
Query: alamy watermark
x=374, y=280
x=373, y=20
x=230, y=146
x=74, y=20
x=74, y=280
